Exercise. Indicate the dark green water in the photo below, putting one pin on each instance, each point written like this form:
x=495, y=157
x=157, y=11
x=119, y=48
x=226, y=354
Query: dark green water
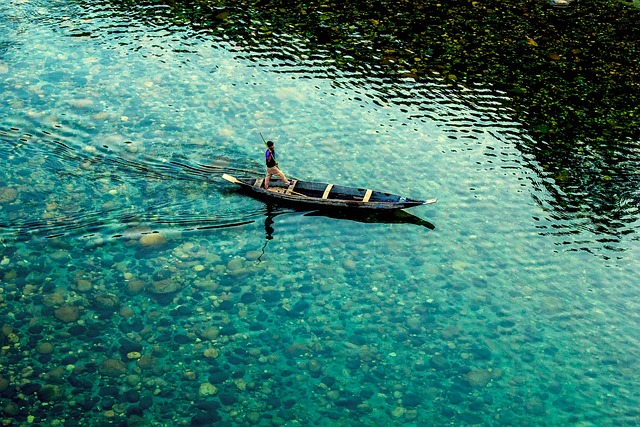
x=138, y=288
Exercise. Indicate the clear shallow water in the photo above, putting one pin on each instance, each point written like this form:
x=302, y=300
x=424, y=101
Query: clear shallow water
x=490, y=307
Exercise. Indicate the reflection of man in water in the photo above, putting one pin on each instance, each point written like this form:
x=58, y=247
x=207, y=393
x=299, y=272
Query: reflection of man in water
x=272, y=166
x=268, y=228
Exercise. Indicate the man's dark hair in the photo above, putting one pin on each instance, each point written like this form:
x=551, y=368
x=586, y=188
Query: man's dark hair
x=269, y=144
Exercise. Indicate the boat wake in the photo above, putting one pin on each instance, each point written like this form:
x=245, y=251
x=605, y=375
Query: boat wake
x=53, y=186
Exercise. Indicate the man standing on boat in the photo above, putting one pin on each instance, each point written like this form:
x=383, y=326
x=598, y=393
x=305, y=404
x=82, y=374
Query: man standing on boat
x=272, y=166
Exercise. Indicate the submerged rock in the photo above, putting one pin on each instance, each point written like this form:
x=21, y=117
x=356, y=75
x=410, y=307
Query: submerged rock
x=147, y=361
x=50, y=393
x=55, y=375
x=107, y=302
x=44, y=348
x=248, y=298
x=134, y=287
x=67, y=313
x=272, y=296
x=8, y=194
x=82, y=104
x=51, y=300
x=411, y=400
x=162, y=287
x=479, y=377
x=438, y=362
x=349, y=264
x=153, y=240
x=83, y=285
x=207, y=389
x=11, y=409
x=207, y=285
x=112, y=368
x=235, y=265
x=209, y=333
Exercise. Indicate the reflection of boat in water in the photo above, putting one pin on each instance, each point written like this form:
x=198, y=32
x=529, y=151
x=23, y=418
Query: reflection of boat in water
x=371, y=217
x=318, y=195
x=375, y=217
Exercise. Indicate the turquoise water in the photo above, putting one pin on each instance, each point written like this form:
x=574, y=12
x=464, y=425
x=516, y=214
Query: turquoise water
x=139, y=288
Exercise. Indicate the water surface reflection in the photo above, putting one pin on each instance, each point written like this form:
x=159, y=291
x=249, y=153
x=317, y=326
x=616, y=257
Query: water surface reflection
x=585, y=181
x=164, y=296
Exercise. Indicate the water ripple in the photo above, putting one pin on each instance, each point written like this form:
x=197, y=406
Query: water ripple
x=584, y=196
x=58, y=164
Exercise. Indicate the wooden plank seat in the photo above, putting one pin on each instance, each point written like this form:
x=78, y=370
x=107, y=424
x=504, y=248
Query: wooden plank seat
x=327, y=190
x=367, y=195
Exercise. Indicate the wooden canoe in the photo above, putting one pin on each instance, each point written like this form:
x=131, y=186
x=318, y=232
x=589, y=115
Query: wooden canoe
x=322, y=195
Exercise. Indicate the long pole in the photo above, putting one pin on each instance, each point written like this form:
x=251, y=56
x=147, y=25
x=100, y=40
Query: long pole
x=263, y=140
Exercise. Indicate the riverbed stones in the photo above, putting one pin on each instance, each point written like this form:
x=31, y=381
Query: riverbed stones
x=132, y=380
x=127, y=312
x=112, y=368
x=438, y=362
x=207, y=389
x=67, y=313
x=209, y=333
x=59, y=255
x=7, y=335
x=314, y=366
x=82, y=104
x=134, y=287
x=52, y=300
x=153, y=240
x=478, y=377
x=55, y=375
x=253, y=417
x=83, y=285
x=411, y=400
x=163, y=287
x=211, y=353
x=50, y=393
x=107, y=302
x=11, y=409
x=349, y=264
x=535, y=406
x=272, y=296
x=146, y=361
x=44, y=348
x=235, y=264
x=8, y=194
x=253, y=255
x=207, y=285
x=248, y=298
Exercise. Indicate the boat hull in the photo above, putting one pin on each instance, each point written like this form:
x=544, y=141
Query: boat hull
x=319, y=195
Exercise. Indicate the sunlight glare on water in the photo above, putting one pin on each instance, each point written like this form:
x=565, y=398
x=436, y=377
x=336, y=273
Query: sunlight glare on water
x=137, y=285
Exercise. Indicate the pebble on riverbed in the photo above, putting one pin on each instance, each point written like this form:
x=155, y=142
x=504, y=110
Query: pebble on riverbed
x=153, y=240
x=112, y=368
x=67, y=313
x=44, y=348
x=8, y=194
